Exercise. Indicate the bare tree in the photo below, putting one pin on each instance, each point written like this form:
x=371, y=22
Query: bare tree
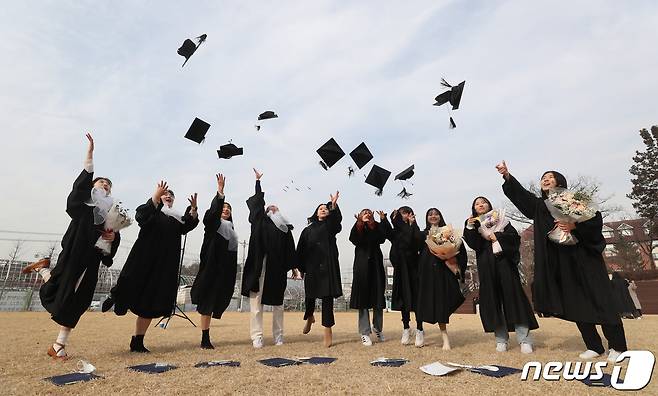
x=586, y=184
x=50, y=252
x=15, y=252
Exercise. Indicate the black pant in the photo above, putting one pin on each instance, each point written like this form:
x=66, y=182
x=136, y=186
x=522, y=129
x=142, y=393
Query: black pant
x=327, y=310
x=613, y=333
x=406, y=318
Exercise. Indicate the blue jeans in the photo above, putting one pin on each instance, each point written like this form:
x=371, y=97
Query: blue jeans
x=522, y=334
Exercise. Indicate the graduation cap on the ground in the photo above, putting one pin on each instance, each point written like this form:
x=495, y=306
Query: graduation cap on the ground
x=189, y=47
x=454, y=95
x=361, y=155
x=377, y=178
x=267, y=115
x=330, y=152
x=404, y=194
x=215, y=363
x=317, y=360
x=229, y=150
x=153, y=368
x=198, y=130
x=406, y=174
x=279, y=362
x=72, y=378
x=388, y=362
x=605, y=381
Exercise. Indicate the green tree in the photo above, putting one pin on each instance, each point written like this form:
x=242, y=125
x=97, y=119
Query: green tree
x=645, y=181
x=627, y=255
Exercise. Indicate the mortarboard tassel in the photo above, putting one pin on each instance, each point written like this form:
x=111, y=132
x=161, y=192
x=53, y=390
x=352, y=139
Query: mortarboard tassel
x=452, y=124
x=323, y=165
x=445, y=83
x=379, y=192
x=350, y=171
x=404, y=194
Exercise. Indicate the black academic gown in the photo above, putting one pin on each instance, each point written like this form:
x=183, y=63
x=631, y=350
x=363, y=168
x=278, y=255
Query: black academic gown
x=148, y=282
x=404, y=258
x=214, y=283
x=368, y=277
x=267, y=240
x=439, y=293
x=318, y=257
x=571, y=282
x=58, y=295
x=502, y=300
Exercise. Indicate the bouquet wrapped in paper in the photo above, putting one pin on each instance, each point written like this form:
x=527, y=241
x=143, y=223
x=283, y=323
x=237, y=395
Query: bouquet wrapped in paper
x=444, y=242
x=568, y=206
x=117, y=219
x=492, y=222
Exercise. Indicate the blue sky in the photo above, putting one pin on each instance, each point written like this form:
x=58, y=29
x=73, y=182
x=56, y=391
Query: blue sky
x=549, y=85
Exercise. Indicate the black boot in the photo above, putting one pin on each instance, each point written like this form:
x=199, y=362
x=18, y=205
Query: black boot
x=205, y=340
x=137, y=344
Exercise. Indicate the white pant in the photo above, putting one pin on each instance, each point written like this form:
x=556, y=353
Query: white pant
x=257, y=312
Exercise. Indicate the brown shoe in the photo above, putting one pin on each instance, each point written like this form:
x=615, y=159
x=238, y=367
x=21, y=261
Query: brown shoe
x=43, y=263
x=53, y=353
x=309, y=322
x=327, y=337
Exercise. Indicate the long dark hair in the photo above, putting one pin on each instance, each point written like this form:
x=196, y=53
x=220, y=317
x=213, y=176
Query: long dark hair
x=396, y=218
x=560, y=181
x=473, y=211
x=442, y=221
x=314, y=217
x=230, y=218
x=102, y=178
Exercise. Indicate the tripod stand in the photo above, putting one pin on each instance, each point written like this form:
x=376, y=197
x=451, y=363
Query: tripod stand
x=175, y=307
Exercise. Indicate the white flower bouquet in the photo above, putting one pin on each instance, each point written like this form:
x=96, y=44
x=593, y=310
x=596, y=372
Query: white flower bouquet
x=444, y=242
x=492, y=222
x=568, y=206
x=117, y=219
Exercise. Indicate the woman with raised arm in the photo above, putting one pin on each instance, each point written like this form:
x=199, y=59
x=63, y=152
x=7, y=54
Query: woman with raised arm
x=270, y=256
x=148, y=282
x=503, y=304
x=571, y=281
x=404, y=258
x=369, y=279
x=439, y=293
x=68, y=288
x=318, y=261
x=214, y=283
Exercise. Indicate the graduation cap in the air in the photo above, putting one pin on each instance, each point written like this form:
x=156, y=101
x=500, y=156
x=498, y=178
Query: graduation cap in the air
x=405, y=174
x=266, y=115
x=361, y=155
x=189, y=47
x=330, y=152
x=454, y=95
x=198, y=130
x=377, y=178
x=229, y=150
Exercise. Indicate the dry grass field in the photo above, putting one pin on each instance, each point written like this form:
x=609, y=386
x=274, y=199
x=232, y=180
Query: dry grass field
x=103, y=339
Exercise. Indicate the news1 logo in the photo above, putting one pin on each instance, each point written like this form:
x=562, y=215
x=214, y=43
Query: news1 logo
x=637, y=376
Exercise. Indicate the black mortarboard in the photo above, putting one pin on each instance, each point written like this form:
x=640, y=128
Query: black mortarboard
x=405, y=174
x=361, y=155
x=267, y=115
x=330, y=153
x=198, y=130
x=229, y=150
x=377, y=178
x=189, y=47
x=454, y=96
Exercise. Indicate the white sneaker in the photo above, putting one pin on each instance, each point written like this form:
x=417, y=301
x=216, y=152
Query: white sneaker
x=278, y=341
x=406, y=337
x=501, y=347
x=613, y=355
x=366, y=341
x=420, y=339
x=589, y=354
x=258, y=342
x=380, y=336
x=526, y=348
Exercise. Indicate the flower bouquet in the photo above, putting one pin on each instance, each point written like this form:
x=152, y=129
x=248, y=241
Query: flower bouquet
x=568, y=206
x=444, y=242
x=492, y=222
x=117, y=219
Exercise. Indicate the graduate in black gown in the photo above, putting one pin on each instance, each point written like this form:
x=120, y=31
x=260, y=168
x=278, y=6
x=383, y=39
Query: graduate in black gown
x=68, y=289
x=148, y=282
x=270, y=256
x=317, y=253
x=403, y=255
x=214, y=283
x=368, y=277
x=625, y=305
x=503, y=304
x=439, y=293
x=571, y=281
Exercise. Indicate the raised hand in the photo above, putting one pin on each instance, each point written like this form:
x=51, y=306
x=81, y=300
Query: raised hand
x=258, y=174
x=334, y=199
x=471, y=220
x=381, y=214
x=160, y=190
x=502, y=169
x=193, y=205
x=221, y=182
x=90, y=146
